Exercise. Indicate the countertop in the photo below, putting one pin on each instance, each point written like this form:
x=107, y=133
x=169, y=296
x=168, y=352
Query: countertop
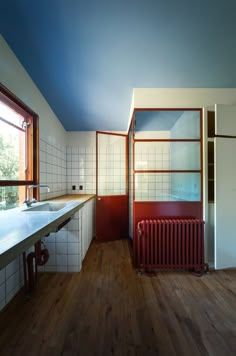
x=20, y=229
x=73, y=197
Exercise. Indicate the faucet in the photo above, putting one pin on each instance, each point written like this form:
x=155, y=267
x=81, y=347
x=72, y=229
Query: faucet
x=29, y=202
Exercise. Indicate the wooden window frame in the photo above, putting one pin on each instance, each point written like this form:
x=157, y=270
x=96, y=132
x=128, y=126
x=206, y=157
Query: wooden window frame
x=33, y=157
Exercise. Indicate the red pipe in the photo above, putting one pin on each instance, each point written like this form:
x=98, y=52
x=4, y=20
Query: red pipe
x=38, y=257
x=41, y=255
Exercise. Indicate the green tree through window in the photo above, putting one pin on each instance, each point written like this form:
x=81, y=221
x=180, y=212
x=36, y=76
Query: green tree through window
x=8, y=168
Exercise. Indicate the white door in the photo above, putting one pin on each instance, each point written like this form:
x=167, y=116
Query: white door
x=225, y=188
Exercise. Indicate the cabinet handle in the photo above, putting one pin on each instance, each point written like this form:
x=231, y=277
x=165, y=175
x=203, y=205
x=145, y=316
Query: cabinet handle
x=99, y=198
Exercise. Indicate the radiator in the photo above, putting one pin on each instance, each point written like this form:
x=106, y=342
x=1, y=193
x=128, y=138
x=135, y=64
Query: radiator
x=170, y=243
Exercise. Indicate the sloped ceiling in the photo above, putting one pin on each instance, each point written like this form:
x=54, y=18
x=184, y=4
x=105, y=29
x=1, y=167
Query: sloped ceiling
x=87, y=56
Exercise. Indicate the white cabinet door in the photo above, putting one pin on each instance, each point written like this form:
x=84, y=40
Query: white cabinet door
x=88, y=218
x=84, y=230
x=225, y=200
x=225, y=120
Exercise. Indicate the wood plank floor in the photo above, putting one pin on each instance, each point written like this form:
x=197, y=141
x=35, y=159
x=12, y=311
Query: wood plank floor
x=108, y=309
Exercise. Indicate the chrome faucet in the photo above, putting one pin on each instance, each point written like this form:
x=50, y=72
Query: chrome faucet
x=29, y=202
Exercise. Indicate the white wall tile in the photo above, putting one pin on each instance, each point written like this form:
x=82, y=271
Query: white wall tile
x=61, y=236
x=12, y=267
x=73, y=225
x=52, y=260
x=12, y=282
x=2, y=303
x=73, y=236
x=73, y=260
x=61, y=248
x=51, y=246
x=2, y=275
x=2, y=292
x=62, y=260
x=73, y=248
x=62, y=268
x=74, y=268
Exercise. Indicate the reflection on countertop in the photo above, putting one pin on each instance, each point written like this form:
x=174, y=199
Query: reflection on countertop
x=20, y=229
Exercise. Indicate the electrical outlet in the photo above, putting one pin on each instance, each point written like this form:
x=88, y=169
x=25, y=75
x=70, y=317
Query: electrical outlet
x=80, y=187
x=73, y=187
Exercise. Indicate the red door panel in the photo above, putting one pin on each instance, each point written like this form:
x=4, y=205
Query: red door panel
x=112, y=186
x=112, y=218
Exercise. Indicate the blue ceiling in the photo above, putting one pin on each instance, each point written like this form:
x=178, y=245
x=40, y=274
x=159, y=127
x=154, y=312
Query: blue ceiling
x=87, y=56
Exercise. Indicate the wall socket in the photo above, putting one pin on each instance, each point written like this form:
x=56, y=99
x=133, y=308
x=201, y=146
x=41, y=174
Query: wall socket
x=80, y=187
x=73, y=187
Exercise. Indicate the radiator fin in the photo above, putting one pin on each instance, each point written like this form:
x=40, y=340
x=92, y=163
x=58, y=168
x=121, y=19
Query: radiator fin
x=170, y=243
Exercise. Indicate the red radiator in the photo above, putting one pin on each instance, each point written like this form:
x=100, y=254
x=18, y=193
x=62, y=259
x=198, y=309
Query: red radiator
x=170, y=243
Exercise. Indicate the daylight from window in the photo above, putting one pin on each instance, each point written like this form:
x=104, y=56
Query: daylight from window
x=12, y=155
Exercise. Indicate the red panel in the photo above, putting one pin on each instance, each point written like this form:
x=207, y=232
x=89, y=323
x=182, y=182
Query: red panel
x=112, y=217
x=158, y=210
x=187, y=247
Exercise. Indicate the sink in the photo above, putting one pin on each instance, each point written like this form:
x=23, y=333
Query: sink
x=48, y=207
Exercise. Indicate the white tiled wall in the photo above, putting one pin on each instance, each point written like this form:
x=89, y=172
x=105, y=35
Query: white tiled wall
x=64, y=248
x=11, y=280
x=52, y=167
x=81, y=169
x=81, y=162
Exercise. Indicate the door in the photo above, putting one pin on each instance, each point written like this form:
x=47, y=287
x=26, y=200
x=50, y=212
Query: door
x=225, y=187
x=112, y=186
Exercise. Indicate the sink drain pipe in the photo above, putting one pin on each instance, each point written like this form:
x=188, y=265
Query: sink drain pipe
x=37, y=258
x=34, y=259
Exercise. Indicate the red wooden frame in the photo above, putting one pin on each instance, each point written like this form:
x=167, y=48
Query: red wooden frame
x=154, y=209
x=118, y=204
x=126, y=158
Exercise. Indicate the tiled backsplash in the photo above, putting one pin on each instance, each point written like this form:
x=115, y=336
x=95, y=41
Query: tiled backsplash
x=52, y=168
x=65, y=166
x=81, y=170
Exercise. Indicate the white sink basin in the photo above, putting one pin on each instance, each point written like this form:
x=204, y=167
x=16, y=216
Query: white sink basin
x=50, y=207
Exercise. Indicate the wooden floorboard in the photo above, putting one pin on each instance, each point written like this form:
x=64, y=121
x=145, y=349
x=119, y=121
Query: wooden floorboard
x=108, y=309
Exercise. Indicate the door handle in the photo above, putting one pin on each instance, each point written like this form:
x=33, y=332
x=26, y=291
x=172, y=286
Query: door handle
x=99, y=198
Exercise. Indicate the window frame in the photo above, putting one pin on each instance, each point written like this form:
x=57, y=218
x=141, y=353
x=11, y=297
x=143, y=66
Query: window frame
x=187, y=140
x=32, y=150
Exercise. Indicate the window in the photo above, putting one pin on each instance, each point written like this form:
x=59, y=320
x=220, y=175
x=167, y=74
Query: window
x=18, y=149
x=167, y=155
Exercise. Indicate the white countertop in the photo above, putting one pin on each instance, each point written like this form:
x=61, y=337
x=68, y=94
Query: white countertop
x=20, y=229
